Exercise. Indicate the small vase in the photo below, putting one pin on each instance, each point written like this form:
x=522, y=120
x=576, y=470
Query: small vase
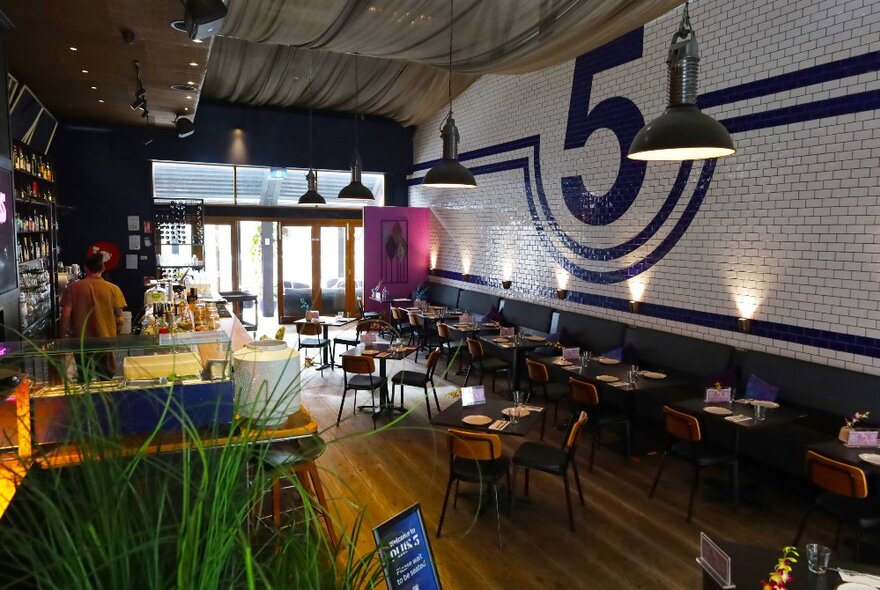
x=843, y=435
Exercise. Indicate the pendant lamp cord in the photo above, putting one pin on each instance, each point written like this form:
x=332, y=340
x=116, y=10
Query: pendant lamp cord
x=311, y=155
x=449, y=77
x=357, y=101
x=685, y=29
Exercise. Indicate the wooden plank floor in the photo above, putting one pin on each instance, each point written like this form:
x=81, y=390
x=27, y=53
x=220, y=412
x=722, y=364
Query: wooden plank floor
x=623, y=538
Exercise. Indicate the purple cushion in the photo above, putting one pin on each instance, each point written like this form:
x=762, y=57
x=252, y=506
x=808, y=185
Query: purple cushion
x=563, y=337
x=494, y=316
x=759, y=389
x=615, y=353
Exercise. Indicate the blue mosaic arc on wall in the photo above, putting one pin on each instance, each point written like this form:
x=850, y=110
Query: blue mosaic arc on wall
x=578, y=131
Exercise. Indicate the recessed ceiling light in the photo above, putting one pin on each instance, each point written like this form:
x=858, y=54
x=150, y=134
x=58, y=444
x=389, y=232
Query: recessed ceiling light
x=84, y=71
x=191, y=82
x=101, y=100
x=188, y=97
x=193, y=64
x=72, y=48
x=186, y=108
x=198, y=41
x=94, y=87
x=188, y=87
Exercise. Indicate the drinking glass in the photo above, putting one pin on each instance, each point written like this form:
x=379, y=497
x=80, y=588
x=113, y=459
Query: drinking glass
x=818, y=556
x=518, y=398
x=633, y=374
x=585, y=359
x=760, y=412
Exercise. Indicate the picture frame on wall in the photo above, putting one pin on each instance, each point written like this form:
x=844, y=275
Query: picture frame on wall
x=395, y=251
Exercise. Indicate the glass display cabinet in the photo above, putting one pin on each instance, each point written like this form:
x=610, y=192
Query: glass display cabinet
x=128, y=385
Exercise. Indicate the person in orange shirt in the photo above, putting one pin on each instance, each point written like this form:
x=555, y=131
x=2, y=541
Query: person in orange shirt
x=92, y=308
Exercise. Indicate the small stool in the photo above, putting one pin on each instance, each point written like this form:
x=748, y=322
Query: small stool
x=298, y=456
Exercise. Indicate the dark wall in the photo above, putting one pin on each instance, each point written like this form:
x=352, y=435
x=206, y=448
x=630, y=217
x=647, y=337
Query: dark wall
x=104, y=172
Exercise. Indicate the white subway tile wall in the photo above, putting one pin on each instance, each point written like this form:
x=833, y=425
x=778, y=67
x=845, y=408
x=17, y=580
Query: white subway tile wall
x=789, y=226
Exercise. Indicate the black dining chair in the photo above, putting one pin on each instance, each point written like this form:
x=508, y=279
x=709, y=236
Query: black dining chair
x=686, y=442
x=841, y=490
x=348, y=340
x=366, y=315
x=418, y=379
x=552, y=392
x=475, y=457
x=484, y=366
x=451, y=347
x=322, y=344
x=585, y=396
x=359, y=375
x=554, y=460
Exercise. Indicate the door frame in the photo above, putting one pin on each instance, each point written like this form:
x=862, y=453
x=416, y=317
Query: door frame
x=232, y=222
x=316, y=224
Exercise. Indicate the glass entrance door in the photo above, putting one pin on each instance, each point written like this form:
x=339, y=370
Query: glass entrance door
x=317, y=268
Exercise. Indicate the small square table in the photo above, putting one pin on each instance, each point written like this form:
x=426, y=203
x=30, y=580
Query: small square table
x=383, y=352
x=326, y=321
x=518, y=345
x=452, y=416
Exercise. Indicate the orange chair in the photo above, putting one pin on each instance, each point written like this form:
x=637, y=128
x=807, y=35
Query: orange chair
x=586, y=397
x=844, y=496
x=552, y=392
x=686, y=441
x=485, y=365
x=362, y=369
x=535, y=455
x=475, y=457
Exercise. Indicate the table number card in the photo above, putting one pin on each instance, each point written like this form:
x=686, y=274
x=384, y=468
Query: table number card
x=466, y=318
x=506, y=332
x=862, y=438
x=571, y=354
x=715, y=562
x=368, y=338
x=718, y=396
x=313, y=315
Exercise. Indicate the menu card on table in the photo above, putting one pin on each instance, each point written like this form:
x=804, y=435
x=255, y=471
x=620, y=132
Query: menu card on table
x=718, y=396
x=466, y=318
x=571, y=354
x=313, y=315
x=506, y=332
x=368, y=339
x=472, y=396
x=862, y=438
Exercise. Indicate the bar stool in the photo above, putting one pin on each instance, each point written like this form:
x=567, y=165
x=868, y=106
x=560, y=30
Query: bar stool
x=297, y=458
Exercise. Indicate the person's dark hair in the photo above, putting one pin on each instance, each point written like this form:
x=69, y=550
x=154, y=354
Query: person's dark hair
x=95, y=262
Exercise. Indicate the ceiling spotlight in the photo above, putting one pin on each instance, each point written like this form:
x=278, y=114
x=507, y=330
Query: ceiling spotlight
x=84, y=71
x=184, y=127
x=101, y=100
x=94, y=87
x=204, y=18
x=72, y=48
x=186, y=109
x=140, y=102
x=188, y=97
x=190, y=82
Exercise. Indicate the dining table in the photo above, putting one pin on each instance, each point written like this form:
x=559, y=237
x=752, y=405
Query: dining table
x=514, y=348
x=835, y=449
x=326, y=322
x=383, y=353
x=469, y=330
x=454, y=415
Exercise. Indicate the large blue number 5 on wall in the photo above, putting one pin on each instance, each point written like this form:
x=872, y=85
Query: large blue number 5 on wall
x=619, y=115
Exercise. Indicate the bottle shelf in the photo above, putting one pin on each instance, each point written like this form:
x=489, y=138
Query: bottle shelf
x=33, y=202
x=32, y=261
x=33, y=176
x=35, y=231
x=36, y=322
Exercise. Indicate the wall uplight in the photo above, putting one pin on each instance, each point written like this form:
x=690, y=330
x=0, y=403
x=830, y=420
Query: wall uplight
x=747, y=305
x=433, y=259
x=505, y=284
x=561, y=293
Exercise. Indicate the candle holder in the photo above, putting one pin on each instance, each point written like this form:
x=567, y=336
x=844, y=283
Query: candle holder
x=634, y=306
x=506, y=284
x=744, y=325
x=561, y=293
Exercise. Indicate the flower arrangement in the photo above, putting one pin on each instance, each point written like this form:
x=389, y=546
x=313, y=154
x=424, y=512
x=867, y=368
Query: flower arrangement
x=781, y=574
x=856, y=418
x=420, y=293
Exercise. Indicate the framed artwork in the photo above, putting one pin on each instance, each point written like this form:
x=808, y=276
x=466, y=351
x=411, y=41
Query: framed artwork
x=395, y=251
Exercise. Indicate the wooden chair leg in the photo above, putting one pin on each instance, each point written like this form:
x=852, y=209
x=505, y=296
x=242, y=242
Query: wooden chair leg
x=568, y=501
x=659, y=473
x=694, y=484
x=445, y=501
x=577, y=481
x=308, y=475
x=276, y=502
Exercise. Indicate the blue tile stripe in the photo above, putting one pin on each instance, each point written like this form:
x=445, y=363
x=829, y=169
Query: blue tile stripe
x=851, y=66
x=861, y=345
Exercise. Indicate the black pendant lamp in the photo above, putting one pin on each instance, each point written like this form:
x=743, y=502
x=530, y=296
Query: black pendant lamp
x=449, y=173
x=356, y=189
x=311, y=196
x=682, y=132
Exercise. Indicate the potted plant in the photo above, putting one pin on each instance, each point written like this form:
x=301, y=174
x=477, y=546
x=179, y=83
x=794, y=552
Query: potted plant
x=851, y=423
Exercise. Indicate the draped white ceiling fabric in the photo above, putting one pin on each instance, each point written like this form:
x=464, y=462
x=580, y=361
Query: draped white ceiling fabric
x=264, y=52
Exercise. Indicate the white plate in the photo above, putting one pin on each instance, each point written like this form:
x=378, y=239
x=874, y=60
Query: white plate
x=653, y=375
x=604, y=361
x=500, y=340
x=535, y=338
x=607, y=378
x=855, y=586
x=765, y=404
x=718, y=411
x=872, y=458
x=521, y=412
x=562, y=362
x=477, y=420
